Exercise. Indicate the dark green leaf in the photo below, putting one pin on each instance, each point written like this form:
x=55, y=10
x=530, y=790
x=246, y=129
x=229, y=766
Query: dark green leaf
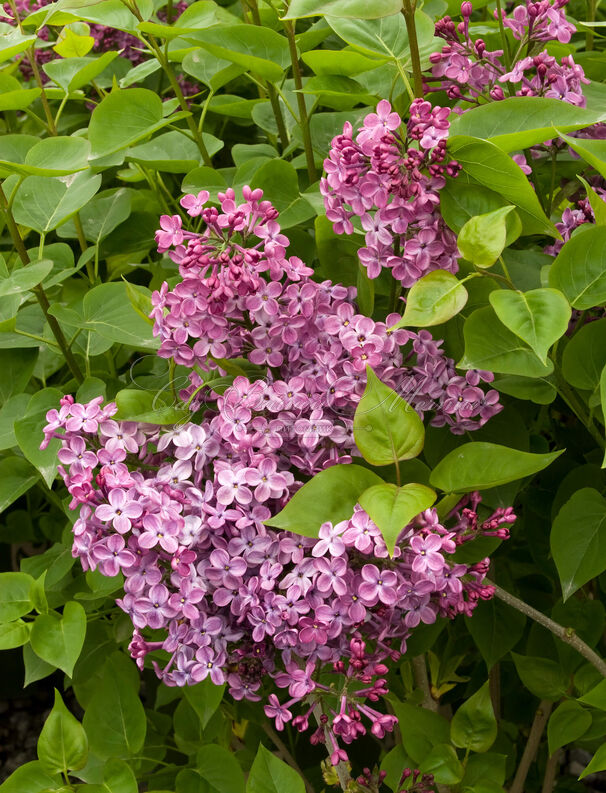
x=543, y=677
x=578, y=540
x=496, y=628
x=474, y=725
x=14, y=595
x=566, y=724
x=579, y=270
x=62, y=745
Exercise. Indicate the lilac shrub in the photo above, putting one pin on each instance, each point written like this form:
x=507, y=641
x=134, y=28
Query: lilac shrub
x=180, y=511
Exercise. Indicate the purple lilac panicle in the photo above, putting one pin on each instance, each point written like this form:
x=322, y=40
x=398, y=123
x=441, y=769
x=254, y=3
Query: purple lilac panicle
x=390, y=179
x=181, y=511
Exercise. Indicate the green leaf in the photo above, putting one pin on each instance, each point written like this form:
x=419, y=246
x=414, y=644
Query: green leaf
x=13, y=97
x=28, y=433
x=210, y=70
x=74, y=73
x=566, y=724
x=35, y=667
x=57, y=156
x=125, y=117
x=269, y=774
x=579, y=270
x=598, y=205
x=386, y=37
x=519, y=122
x=352, y=9
x=29, y=778
x=597, y=763
x=578, y=540
x=115, y=719
x=108, y=311
x=421, y=729
x=474, y=726
x=596, y=697
x=25, y=278
x=491, y=167
x=392, y=508
x=43, y=203
x=592, y=151
x=205, y=698
x=13, y=43
x=14, y=596
x=71, y=44
x=386, y=428
x=345, y=62
x=101, y=215
x=541, y=676
x=17, y=366
x=483, y=237
x=490, y=345
x=442, y=762
x=58, y=638
x=16, y=478
x=171, y=152
x=257, y=49
x=220, y=768
x=479, y=465
x=496, y=628
x=432, y=300
x=539, y=317
x=147, y=407
x=13, y=634
x=62, y=744
x=330, y=495
x=584, y=356
x=540, y=391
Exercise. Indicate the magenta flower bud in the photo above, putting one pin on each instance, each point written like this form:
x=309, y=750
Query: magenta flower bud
x=466, y=9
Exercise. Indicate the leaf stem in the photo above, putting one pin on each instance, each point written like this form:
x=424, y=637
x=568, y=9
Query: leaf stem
x=39, y=291
x=289, y=27
x=567, y=635
x=408, y=9
x=532, y=745
x=506, y=52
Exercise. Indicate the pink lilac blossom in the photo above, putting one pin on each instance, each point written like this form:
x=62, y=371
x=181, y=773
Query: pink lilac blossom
x=390, y=179
x=181, y=511
x=466, y=70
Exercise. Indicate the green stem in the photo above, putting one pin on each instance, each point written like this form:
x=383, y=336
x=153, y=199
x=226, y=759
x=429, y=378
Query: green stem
x=591, y=9
x=408, y=10
x=505, y=43
x=271, y=90
x=303, y=117
x=419, y=671
x=39, y=291
x=567, y=635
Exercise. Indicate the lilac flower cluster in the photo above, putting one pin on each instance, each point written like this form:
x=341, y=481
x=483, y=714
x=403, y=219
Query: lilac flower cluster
x=576, y=215
x=180, y=513
x=466, y=70
x=310, y=336
x=390, y=179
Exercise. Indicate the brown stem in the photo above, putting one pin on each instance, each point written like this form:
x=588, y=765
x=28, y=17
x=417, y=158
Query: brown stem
x=408, y=10
x=532, y=745
x=566, y=635
x=303, y=117
x=39, y=291
x=284, y=753
x=419, y=671
x=551, y=770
